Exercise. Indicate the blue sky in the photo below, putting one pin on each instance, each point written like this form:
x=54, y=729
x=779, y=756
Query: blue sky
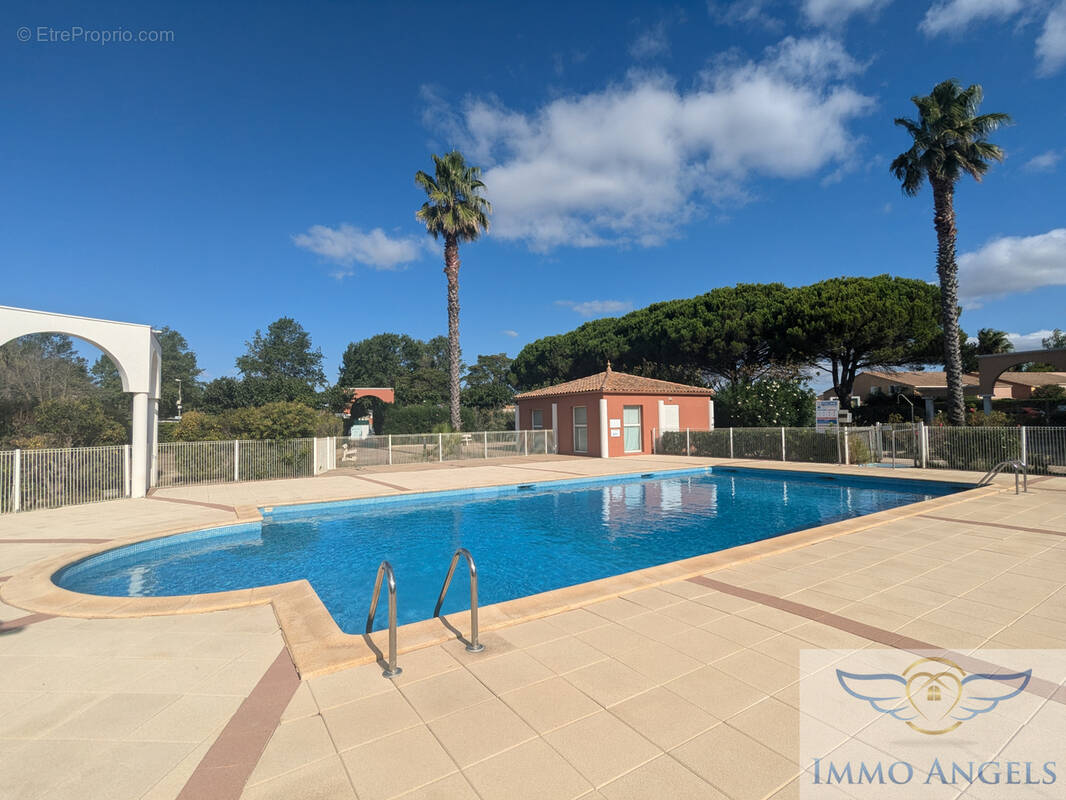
x=260, y=164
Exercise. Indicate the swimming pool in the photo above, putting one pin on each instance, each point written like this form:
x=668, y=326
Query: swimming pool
x=526, y=539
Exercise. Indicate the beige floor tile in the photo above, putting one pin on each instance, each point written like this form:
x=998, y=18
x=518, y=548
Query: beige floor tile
x=691, y=613
x=511, y=671
x=716, y=692
x=740, y=630
x=527, y=634
x=703, y=645
x=609, y=682
x=659, y=663
x=446, y=693
x=323, y=780
x=565, y=655
x=651, y=598
x=664, y=718
x=776, y=725
x=302, y=704
x=576, y=620
x=602, y=747
x=361, y=721
x=614, y=639
x=396, y=764
x=32, y=720
x=760, y=670
x=656, y=625
x=191, y=718
x=454, y=787
x=616, y=608
x=662, y=778
x=550, y=704
x=348, y=685
x=726, y=758
x=114, y=717
x=531, y=771
x=480, y=731
x=425, y=663
x=294, y=744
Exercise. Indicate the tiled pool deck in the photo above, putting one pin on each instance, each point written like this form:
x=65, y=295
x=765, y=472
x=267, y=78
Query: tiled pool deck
x=676, y=689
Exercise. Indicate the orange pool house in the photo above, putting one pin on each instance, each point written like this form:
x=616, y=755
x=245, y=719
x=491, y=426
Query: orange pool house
x=612, y=414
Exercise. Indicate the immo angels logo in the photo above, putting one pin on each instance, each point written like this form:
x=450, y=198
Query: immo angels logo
x=934, y=695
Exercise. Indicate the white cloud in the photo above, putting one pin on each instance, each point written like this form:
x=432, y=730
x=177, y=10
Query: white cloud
x=1045, y=162
x=651, y=43
x=1051, y=44
x=951, y=16
x=347, y=244
x=745, y=12
x=629, y=164
x=510, y=333
x=832, y=13
x=596, y=307
x=1029, y=341
x=1012, y=265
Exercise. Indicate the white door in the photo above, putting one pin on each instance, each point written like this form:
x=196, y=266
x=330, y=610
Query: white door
x=671, y=418
x=631, y=429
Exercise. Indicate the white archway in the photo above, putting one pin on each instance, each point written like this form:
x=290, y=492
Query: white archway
x=137, y=355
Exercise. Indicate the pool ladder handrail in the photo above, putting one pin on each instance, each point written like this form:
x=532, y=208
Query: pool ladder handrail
x=1016, y=466
x=475, y=646
x=385, y=569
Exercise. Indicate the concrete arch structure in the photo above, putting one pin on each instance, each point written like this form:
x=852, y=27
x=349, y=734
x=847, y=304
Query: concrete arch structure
x=990, y=367
x=136, y=354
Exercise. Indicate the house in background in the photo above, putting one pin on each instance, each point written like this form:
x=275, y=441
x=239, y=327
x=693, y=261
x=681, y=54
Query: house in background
x=613, y=414
x=1023, y=384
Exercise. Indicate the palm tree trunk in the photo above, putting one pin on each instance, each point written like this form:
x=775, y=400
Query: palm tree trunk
x=948, y=272
x=451, y=270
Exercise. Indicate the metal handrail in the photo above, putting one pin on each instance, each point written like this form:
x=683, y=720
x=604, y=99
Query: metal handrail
x=1016, y=466
x=475, y=646
x=386, y=569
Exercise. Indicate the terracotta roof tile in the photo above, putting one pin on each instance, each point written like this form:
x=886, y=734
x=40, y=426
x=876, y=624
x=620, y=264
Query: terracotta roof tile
x=1034, y=378
x=611, y=381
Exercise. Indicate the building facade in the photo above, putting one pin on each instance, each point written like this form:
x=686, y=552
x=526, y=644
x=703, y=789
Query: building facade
x=613, y=414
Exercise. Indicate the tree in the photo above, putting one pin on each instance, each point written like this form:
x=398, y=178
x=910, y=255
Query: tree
x=417, y=370
x=765, y=402
x=284, y=352
x=949, y=140
x=1056, y=341
x=843, y=325
x=178, y=363
x=456, y=211
x=990, y=341
x=488, y=382
x=42, y=367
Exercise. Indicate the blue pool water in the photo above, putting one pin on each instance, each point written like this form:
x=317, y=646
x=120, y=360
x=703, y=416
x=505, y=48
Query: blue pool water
x=525, y=539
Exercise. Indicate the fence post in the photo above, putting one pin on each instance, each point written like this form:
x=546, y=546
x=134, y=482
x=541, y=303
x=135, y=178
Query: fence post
x=545, y=443
x=236, y=460
x=653, y=441
x=314, y=455
x=390, y=449
x=847, y=456
x=525, y=443
x=783, y=443
x=924, y=431
x=840, y=460
x=16, y=482
x=730, y=442
x=688, y=442
x=126, y=469
x=486, y=435
x=1025, y=446
x=440, y=447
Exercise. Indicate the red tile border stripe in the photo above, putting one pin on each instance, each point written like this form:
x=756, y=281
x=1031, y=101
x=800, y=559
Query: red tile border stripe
x=992, y=524
x=229, y=762
x=1037, y=686
x=380, y=483
x=21, y=622
x=187, y=502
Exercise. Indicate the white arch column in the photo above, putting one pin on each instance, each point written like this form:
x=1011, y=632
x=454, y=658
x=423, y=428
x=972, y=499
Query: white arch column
x=139, y=446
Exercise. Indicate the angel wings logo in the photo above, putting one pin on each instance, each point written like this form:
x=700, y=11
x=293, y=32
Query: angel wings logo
x=934, y=695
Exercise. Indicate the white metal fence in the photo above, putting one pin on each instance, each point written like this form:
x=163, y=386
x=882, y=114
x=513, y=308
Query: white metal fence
x=424, y=448
x=1042, y=449
x=183, y=463
x=49, y=478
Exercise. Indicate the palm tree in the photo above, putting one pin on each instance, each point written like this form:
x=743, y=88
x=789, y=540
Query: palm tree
x=991, y=341
x=949, y=140
x=456, y=211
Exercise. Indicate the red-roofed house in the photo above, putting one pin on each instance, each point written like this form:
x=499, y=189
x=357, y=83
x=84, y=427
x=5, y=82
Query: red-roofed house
x=613, y=414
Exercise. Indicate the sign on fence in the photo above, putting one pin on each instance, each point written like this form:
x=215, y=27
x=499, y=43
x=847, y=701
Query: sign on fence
x=826, y=413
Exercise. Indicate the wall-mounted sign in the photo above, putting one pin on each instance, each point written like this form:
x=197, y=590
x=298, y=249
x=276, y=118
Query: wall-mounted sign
x=616, y=423
x=826, y=413
x=616, y=432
